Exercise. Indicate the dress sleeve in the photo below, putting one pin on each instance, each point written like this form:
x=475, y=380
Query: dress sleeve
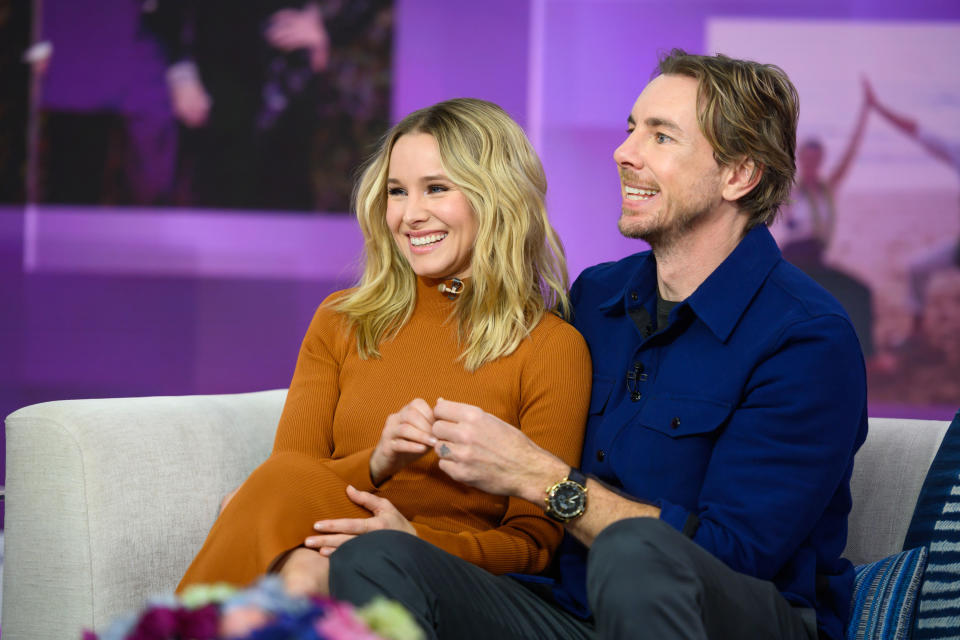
x=306, y=424
x=802, y=418
x=555, y=395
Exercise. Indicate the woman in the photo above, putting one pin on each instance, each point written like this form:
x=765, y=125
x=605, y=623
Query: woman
x=462, y=286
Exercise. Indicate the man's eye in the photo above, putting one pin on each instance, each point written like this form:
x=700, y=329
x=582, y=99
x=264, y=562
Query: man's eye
x=662, y=137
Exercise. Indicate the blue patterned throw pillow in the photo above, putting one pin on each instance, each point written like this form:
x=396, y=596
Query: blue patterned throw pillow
x=885, y=595
x=936, y=524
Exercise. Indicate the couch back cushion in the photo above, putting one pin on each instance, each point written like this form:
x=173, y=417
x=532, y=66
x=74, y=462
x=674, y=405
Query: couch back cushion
x=887, y=475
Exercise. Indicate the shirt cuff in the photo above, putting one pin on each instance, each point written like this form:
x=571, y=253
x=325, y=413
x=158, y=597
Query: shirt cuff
x=680, y=518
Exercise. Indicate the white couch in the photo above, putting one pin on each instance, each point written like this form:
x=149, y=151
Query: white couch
x=108, y=500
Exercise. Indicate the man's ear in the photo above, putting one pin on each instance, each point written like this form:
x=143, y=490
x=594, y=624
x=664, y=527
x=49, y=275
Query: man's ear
x=740, y=177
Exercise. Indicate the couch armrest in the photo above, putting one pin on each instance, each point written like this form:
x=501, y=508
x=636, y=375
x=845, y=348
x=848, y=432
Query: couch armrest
x=109, y=500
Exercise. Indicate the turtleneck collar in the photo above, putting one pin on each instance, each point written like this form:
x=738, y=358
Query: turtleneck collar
x=429, y=292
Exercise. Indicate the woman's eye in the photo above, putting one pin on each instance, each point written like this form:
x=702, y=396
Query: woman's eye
x=395, y=191
x=436, y=188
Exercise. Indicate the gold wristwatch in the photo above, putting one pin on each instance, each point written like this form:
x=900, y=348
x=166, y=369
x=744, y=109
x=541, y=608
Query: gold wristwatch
x=567, y=499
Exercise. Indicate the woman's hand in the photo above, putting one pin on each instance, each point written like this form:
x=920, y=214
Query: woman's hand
x=333, y=533
x=407, y=435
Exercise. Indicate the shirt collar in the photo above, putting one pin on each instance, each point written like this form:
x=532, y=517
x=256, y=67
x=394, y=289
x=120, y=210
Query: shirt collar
x=643, y=281
x=723, y=297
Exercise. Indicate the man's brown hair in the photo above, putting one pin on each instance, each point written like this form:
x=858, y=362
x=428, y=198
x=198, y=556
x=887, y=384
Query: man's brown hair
x=746, y=110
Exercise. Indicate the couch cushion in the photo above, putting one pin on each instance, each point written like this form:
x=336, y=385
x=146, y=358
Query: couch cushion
x=936, y=523
x=887, y=475
x=885, y=596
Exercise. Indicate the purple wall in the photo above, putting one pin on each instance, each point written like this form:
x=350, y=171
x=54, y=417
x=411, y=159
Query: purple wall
x=567, y=69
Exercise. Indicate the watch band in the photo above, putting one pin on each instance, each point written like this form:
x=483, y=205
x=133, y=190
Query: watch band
x=577, y=476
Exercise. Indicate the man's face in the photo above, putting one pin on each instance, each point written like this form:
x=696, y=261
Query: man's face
x=669, y=179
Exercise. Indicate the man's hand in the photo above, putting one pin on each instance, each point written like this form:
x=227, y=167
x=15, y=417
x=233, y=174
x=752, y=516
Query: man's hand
x=333, y=533
x=407, y=435
x=484, y=452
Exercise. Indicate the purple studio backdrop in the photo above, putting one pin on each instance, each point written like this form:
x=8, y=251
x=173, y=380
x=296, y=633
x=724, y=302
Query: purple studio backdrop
x=102, y=301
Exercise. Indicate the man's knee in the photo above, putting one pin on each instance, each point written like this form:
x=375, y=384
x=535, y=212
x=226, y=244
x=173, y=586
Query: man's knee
x=374, y=558
x=633, y=539
x=372, y=547
x=633, y=547
x=641, y=569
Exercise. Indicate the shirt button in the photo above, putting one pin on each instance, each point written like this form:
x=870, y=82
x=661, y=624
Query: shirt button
x=634, y=296
x=675, y=422
x=601, y=455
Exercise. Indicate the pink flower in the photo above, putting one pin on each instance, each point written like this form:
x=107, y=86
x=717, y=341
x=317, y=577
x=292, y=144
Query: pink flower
x=340, y=623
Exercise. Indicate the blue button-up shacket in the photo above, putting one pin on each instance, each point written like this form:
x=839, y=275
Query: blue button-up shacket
x=739, y=419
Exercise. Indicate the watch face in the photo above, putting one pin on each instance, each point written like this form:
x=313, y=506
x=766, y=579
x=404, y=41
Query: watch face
x=568, y=500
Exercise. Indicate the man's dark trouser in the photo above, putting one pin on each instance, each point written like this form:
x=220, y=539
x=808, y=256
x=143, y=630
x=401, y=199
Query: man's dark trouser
x=644, y=580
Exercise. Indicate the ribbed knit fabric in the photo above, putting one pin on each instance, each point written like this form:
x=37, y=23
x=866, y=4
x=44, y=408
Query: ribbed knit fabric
x=332, y=420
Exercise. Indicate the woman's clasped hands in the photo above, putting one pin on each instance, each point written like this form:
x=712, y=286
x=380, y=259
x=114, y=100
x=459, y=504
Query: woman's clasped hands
x=406, y=437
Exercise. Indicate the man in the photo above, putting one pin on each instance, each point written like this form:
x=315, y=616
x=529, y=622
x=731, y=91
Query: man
x=728, y=401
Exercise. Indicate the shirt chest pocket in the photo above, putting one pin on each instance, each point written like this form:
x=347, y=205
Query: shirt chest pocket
x=664, y=451
x=683, y=416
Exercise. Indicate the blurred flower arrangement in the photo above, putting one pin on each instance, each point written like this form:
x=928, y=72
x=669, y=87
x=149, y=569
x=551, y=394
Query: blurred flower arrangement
x=263, y=612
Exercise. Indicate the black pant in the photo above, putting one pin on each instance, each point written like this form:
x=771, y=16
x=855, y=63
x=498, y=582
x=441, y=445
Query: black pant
x=644, y=580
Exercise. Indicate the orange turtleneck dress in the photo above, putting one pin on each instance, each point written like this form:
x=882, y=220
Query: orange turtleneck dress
x=332, y=420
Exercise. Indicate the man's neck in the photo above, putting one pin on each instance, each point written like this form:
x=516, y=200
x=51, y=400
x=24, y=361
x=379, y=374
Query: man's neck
x=688, y=260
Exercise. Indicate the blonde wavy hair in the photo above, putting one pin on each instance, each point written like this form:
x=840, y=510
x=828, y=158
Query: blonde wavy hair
x=518, y=268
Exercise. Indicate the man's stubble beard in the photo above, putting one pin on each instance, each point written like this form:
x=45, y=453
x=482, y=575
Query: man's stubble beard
x=660, y=236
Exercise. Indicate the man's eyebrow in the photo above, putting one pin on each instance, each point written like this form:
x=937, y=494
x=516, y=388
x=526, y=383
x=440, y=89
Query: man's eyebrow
x=653, y=123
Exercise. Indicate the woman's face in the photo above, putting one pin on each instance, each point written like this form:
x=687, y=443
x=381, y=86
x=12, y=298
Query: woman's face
x=429, y=217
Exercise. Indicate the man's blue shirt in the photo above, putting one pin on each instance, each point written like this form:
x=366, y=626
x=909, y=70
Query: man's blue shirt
x=739, y=419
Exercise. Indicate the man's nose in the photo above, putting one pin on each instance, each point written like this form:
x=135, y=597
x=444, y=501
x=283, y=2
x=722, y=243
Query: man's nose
x=628, y=153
